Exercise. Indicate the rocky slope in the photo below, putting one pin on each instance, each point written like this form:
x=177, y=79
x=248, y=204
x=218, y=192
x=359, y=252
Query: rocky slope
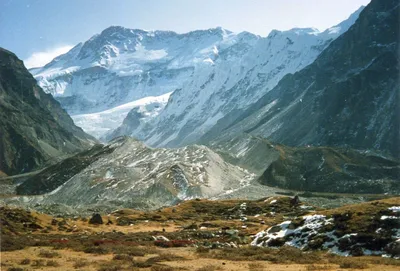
x=349, y=96
x=127, y=173
x=319, y=169
x=33, y=126
x=365, y=229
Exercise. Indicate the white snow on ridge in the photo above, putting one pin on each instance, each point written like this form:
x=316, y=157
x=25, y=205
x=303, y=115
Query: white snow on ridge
x=212, y=73
x=98, y=124
x=240, y=73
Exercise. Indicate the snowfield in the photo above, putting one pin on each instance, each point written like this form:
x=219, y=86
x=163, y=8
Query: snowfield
x=99, y=124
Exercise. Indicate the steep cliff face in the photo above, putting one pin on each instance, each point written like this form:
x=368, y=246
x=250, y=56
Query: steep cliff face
x=348, y=97
x=33, y=126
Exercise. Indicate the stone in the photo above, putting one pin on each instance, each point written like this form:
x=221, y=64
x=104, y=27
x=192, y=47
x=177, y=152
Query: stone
x=96, y=219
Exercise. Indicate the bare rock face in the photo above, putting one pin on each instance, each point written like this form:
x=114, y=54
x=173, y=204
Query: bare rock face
x=33, y=127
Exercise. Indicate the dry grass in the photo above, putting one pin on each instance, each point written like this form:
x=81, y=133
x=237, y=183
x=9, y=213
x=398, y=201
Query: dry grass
x=95, y=250
x=122, y=257
x=11, y=243
x=209, y=267
x=162, y=268
x=278, y=256
x=52, y=263
x=360, y=262
x=315, y=267
x=202, y=250
x=353, y=265
x=136, y=250
x=384, y=261
x=153, y=261
x=256, y=267
x=165, y=257
x=48, y=254
x=141, y=264
x=38, y=263
x=79, y=263
x=110, y=267
x=25, y=261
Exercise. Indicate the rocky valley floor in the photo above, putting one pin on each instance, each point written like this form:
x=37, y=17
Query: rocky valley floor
x=206, y=235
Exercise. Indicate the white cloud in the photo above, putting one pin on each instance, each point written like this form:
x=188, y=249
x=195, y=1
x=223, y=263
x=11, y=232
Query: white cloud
x=39, y=59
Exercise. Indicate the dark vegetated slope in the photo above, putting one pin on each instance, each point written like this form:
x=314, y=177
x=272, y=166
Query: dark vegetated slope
x=310, y=168
x=338, y=170
x=33, y=126
x=56, y=175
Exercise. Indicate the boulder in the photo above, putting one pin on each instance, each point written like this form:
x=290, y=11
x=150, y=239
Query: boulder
x=96, y=219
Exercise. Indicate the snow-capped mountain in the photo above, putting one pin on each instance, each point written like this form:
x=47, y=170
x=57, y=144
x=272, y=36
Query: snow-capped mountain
x=210, y=72
x=123, y=65
x=237, y=76
x=347, y=97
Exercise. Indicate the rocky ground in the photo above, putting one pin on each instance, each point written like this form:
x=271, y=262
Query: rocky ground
x=201, y=235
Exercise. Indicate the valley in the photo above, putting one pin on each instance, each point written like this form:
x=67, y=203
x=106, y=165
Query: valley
x=205, y=150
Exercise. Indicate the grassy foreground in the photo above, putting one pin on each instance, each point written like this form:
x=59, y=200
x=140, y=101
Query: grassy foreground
x=195, y=235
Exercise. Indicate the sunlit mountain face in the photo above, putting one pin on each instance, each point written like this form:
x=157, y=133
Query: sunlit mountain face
x=251, y=152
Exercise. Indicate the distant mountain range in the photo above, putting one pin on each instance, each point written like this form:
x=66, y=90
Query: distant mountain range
x=211, y=73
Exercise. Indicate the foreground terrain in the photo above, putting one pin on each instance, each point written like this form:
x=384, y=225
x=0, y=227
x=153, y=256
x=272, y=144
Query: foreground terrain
x=201, y=235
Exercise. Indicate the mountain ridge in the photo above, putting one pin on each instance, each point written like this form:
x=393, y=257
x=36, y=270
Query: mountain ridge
x=34, y=128
x=234, y=83
x=121, y=65
x=310, y=106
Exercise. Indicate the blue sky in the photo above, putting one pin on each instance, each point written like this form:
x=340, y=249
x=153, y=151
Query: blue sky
x=38, y=30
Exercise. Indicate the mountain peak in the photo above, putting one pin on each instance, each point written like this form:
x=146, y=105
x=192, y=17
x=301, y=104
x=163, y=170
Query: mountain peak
x=296, y=31
x=346, y=24
x=306, y=31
